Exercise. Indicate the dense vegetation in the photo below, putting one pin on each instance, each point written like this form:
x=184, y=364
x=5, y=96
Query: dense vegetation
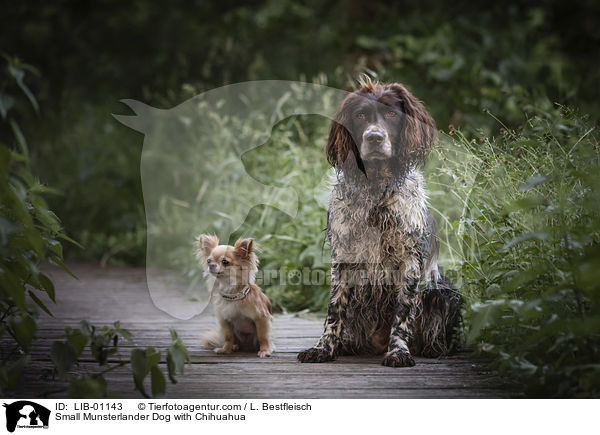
x=513, y=183
x=30, y=235
x=531, y=249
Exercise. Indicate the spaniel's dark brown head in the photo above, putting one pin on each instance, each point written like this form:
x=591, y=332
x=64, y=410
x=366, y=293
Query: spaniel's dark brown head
x=380, y=124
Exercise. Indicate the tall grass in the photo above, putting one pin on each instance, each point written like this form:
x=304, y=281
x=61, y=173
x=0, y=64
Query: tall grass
x=531, y=266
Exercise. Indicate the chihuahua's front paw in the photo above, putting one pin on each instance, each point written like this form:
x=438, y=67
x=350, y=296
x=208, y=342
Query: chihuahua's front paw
x=264, y=353
x=223, y=350
x=315, y=355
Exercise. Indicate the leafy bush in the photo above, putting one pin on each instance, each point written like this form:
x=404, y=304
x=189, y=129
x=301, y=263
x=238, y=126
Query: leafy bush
x=102, y=345
x=532, y=260
x=29, y=233
x=477, y=61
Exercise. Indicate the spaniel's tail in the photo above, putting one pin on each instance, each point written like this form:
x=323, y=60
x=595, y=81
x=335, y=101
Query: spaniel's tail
x=212, y=340
x=438, y=321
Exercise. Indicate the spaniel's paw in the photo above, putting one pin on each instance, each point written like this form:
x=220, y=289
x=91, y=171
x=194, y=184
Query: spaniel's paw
x=398, y=359
x=223, y=350
x=315, y=355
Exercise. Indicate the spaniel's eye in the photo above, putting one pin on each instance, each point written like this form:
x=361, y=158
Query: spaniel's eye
x=225, y=261
x=360, y=115
x=208, y=261
x=391, y=114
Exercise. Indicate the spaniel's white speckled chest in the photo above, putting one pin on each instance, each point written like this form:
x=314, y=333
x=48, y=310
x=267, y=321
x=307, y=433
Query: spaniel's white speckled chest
x=381, y=229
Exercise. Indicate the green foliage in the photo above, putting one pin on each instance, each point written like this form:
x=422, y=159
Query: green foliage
x=29, y=232
x=177, y=356
x=88, y=387
x=531, y=236
x=103, y=346
x=142, y=363
x=486, y=62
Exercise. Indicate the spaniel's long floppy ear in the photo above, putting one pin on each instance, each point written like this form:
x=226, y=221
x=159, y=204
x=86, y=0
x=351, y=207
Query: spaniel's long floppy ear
x=206, y=244
x=418, y=127
x=243, y=248
x=340, y=141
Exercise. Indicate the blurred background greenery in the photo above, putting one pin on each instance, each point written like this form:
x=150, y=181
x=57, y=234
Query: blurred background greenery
x=515, y=84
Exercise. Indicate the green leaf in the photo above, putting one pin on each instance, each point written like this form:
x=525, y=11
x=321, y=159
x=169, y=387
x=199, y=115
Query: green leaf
x=533, y=235
x=10, y=373
x=19, y=75
x=24, y=329
x=153, y=357
x=77, y=339
x=20, y=139
x=125, y=333
x=6, y=103
x=63, y=355
x=58, y=261
x=7, y=229
x=70, y=240
x=142, y=363
x=171, y=367
x=13, y=287
x=48, y=286
x=85, y=328
x=159, y=385
x=177, y=356
x=88, y=387
x=55, y=247
x=39, y=303
x=138, y=367
x=485, y=315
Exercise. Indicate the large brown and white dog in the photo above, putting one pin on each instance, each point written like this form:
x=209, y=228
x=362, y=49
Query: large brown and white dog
x=387, y=294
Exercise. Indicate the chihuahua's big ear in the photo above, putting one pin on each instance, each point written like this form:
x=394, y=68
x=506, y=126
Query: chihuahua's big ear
x=206, y=244
x=243, y=248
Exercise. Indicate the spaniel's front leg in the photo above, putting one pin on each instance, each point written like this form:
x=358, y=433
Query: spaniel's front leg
x=330, y=342
x=398, y=354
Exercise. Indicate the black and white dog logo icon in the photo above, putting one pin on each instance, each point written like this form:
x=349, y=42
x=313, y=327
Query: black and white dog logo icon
x=26, y=414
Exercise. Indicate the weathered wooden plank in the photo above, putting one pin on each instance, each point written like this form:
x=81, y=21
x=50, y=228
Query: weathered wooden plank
x=199, y=383
x=103, y=296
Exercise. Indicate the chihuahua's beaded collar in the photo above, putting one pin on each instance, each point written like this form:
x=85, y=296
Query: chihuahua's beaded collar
x=237, y=296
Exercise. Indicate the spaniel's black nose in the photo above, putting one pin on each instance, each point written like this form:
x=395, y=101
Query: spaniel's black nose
x=374, y=138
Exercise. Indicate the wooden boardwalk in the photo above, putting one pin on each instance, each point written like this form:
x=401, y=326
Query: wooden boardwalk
x=103, y=296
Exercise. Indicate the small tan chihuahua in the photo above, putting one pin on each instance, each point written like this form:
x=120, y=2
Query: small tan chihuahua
x=243, y=311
